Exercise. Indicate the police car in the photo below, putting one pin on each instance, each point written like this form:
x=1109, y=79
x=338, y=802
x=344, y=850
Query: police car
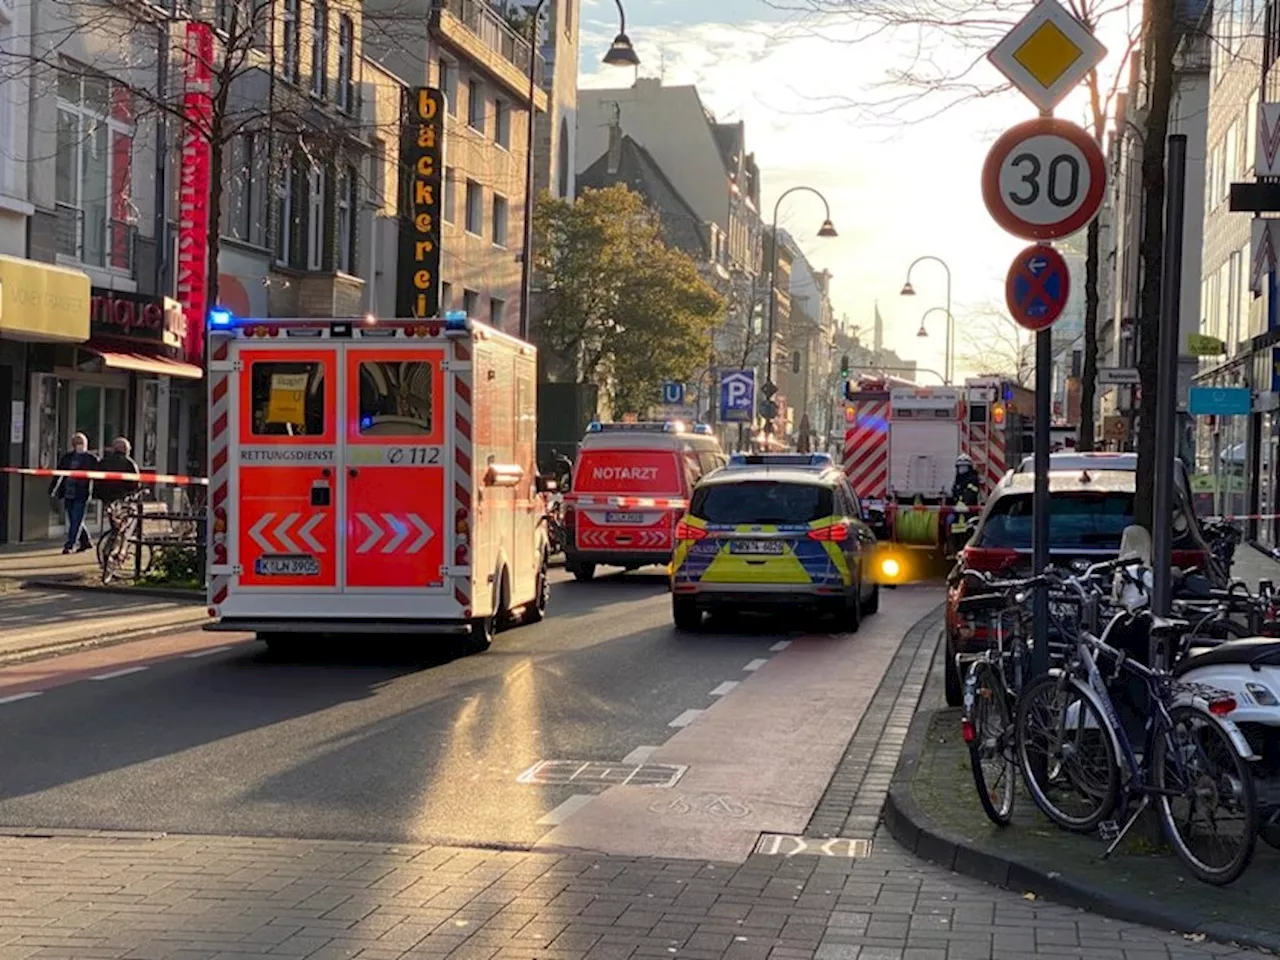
x=774, y=531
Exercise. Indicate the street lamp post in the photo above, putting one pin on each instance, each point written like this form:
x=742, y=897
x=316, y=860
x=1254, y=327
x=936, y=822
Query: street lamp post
x=909, y=291
x=826, y=230
x=620, y=54
x=948, y=360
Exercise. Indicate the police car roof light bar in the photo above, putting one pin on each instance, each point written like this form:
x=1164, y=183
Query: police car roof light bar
x=817, y=460
x=652, y=426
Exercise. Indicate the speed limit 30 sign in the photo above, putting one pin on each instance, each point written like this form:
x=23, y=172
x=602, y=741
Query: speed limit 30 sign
x=1044, y=179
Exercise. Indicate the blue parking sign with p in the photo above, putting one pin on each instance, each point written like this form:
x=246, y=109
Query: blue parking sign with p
x=737, y=396
x=673, y=393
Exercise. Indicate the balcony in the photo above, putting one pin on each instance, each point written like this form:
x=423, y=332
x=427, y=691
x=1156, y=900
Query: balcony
x=482, y=33
x=89, y=237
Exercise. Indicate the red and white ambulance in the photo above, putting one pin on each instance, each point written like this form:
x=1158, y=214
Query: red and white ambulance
x=631, y=485
x=372, y=477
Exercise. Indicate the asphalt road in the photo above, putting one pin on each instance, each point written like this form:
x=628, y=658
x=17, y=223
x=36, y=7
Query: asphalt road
x=371, y=742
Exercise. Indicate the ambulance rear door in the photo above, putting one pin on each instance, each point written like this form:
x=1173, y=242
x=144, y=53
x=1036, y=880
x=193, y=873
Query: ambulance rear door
x=284, y=509
x=396, y=462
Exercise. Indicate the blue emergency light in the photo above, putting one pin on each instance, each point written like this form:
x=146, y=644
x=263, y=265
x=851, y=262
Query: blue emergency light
x=455, y=320
x=220, y=318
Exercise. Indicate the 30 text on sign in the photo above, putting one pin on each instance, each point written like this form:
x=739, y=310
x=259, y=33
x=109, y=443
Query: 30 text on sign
x=422, y=165
x=1044, y=179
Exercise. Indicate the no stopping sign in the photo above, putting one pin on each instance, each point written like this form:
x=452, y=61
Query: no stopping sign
x=1044, y=179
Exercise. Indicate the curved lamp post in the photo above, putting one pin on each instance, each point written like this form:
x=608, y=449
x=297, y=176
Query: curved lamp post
x=923, y=331
x=620, y=54
x=826, y=230
x=909, y=291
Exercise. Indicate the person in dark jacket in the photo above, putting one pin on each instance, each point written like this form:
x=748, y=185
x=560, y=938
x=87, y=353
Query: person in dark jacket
x=74, y=492
x=117, y=460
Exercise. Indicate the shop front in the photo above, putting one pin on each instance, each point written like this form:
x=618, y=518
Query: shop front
x=118, y=383
x=43, y=308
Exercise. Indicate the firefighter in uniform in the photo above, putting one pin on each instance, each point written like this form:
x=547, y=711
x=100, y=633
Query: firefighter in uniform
x=966, y=493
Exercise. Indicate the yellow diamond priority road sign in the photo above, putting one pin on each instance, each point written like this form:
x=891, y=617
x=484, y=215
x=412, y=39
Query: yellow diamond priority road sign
x=1047, y=53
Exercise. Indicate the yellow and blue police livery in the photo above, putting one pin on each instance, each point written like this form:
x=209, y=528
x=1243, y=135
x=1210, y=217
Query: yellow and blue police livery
x=774, y=530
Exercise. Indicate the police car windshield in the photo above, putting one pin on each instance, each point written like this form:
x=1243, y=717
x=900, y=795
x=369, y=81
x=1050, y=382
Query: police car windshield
x=762, y=501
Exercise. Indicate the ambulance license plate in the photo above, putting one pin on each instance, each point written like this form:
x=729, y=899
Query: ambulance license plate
x=287, y=565
x=615, y=517
x=766, y=548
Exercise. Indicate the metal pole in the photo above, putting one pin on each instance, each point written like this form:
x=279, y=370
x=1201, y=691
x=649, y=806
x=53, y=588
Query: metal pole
x=1040, y=500
x=773, y=303
x=1166, y=401
x=951, y=340
x=526, y=257
x=160, y=229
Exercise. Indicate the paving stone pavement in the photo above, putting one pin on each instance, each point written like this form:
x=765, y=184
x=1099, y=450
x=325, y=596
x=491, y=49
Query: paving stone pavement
x=197, y=898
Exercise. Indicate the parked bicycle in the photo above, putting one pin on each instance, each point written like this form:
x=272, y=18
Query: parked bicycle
x=1087, y=769
x=118, y=546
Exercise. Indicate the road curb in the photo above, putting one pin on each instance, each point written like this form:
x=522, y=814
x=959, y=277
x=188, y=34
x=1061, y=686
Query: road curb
x=153, y=593
x=49, y=651
x=911, y=827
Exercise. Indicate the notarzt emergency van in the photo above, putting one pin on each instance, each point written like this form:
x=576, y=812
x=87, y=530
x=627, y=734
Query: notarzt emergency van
x=631, y=484
x=372, y=477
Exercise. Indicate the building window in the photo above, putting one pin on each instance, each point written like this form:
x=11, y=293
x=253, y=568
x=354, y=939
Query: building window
x=470, y=302
x=8, y=92
x=449, y=202
x=1250, y=133
x=502, y=124
x=289, y=58
x=284, y=215
x=499, y=221
x=346, y=57
x=319, y=47
x=315, y=217
x=475, y=105
x=497, y=310
x=245, y=196
x=347, y=220
x=446, y=296
x=94, y=170
x=449, y=86
x=475, y=208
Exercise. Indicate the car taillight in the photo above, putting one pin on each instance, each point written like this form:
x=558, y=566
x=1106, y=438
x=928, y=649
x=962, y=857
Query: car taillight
x=988, y=559
x=685, y=531
x=836, y=533
x=1222, y=706
x=967, y=730
x=220, y=520
x=462, y=537
x=1186, y=559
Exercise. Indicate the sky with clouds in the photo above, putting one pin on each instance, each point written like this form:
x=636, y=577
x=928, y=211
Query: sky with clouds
x=900, y=187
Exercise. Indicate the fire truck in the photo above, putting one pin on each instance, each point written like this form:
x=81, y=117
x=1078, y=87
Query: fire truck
x=373, y=476
x=901, y=444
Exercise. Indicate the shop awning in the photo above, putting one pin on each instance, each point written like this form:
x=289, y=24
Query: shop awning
x=43, y=302
x=144, y=363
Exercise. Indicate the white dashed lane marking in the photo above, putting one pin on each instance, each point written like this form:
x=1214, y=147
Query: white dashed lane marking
x=553, y=818
x=780, y=646
x=639, y=755
x=15, y=697
x=205, y=653
x=685, y=718
x=724, y=689
x=755, y=665
x=118, y=673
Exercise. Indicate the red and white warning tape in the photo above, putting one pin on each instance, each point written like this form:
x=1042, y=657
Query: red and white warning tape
x=109, y=475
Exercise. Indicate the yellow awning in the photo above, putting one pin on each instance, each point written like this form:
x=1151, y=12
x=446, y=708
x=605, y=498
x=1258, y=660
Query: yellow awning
x=41, y=301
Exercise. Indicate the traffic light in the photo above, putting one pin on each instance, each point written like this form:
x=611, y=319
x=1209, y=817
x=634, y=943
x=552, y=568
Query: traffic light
x=844, y=367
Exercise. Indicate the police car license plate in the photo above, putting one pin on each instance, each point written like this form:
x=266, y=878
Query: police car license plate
x=764, y=548
x=291, y=565
x=614, y=517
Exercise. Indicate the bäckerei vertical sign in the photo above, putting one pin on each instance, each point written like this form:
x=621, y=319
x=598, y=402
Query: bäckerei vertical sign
x=421, y=186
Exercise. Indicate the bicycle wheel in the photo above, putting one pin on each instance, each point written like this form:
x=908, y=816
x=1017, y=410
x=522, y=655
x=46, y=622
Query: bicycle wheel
x=1206, y=796
x=107, y=555
x=1066, y=754
x=988, y=731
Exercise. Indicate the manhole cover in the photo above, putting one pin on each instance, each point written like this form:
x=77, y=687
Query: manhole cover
x=786, y=845
x=553, y=772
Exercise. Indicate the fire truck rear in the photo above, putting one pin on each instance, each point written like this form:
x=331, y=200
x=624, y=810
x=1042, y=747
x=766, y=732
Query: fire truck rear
x=901, y=446
x=371, y=477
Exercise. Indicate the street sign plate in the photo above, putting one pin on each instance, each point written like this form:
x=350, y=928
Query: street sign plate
x=1044, y=179
x=673, y=393
x=737, y=396
x=1037, y=287
x=1046, y=54
x=1220, y=401
x=1119, y=376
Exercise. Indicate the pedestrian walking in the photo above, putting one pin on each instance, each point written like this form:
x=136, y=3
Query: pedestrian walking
x=119, y=459
x=74, y=492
